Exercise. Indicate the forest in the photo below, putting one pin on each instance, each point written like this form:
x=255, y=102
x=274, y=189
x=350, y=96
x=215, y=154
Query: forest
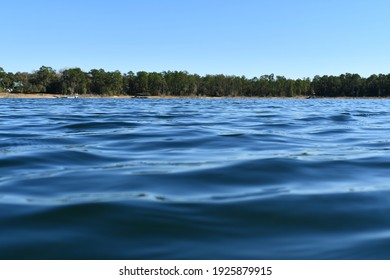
x=181, y=83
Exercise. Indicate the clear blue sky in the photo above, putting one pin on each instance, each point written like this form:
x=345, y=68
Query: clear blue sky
x=296, y=39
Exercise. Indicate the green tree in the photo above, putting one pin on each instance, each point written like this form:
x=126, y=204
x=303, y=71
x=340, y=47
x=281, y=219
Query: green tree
x=6, y=81
x=141, y=82
x=180, y=83
x=156, y=84
x=96, y=83
x=74, y=81
x=43, y=79
x=115, y=83
x=21, y=83
x=129, y=86
x=105, y=83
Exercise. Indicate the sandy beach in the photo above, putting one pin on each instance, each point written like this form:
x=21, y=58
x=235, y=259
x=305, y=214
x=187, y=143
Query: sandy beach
x=24, y=95
x=51, y=95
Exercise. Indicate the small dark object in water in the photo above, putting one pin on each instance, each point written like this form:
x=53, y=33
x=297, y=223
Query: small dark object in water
x=313, y=95
x=141, y=95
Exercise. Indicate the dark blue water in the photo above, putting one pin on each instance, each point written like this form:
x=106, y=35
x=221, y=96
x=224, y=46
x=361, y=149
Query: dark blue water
x=194, y=179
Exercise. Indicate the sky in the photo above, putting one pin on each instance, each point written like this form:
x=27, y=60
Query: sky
x=295, y=39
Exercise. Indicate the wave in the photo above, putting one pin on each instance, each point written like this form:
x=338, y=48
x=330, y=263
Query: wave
x=194, y=179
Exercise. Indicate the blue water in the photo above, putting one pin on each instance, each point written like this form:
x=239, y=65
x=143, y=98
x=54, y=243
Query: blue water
x=194, y=179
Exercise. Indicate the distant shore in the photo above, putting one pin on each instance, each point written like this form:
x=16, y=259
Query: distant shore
x=51, y=95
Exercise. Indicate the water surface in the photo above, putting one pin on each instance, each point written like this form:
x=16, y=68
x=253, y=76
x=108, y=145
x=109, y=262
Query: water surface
x=194, y=179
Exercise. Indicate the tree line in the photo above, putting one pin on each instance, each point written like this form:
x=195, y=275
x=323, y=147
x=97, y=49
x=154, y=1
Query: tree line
x=181, y=83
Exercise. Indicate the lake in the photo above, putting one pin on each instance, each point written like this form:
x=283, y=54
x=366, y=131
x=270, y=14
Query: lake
x=194, y=179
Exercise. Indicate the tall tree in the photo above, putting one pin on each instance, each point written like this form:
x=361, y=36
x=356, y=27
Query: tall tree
x=43, y=79
x=141, y=82
x=74, y=81
x=6, y=81
x=156, y=84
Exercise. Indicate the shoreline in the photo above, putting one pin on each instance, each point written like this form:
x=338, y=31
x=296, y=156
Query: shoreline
x=82, y=96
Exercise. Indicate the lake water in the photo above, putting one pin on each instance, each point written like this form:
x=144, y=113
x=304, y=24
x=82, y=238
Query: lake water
x=194, y=179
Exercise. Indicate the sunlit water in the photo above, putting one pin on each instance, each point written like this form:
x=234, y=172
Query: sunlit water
x=194, y=179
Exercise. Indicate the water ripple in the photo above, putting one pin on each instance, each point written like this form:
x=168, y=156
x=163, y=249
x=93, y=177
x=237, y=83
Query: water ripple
x=194, y=179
